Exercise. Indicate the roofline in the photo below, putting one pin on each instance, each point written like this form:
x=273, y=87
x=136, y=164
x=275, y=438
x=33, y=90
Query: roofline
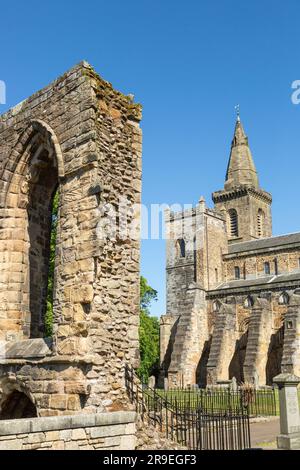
x=246, y=290
x=287, y=245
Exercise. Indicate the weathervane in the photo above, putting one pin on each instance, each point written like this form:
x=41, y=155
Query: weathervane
x=237, y=108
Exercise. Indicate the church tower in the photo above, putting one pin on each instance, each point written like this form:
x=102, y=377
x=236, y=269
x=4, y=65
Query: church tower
x=246, y=206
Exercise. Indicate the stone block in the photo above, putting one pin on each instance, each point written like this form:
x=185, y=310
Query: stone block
x=289, y=442
x=107, y=431
x=73, y=403
x=11, y=445
x=78, y=313
x=110, y=442
x=15, y=427
x=76, y=387
x=59, y=445
x=52, y=436
x=58, y=402
x=116, y=417
x=34, y=438
x=130, y=428
x=128, y=442
x=73, y=445
x=83, y=294
x=83, y=421
x=78, y=434
x=65, y=435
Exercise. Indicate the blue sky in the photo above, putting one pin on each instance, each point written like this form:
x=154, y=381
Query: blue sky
x=189, y=63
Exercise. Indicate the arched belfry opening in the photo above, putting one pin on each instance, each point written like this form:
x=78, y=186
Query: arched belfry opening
x=260, y=223
x=233, y=224
x=36, y=177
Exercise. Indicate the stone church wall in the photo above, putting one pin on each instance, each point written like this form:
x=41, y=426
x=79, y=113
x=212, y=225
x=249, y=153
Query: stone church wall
x=253, y=265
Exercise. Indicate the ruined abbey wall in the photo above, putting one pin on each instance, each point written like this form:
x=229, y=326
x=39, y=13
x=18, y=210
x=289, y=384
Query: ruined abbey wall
x=80, y=137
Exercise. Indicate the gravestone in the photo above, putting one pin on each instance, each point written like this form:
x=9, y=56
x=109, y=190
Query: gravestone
x=289, y=437
x=166, y=384
x=234, y=385
x=255, y=380
x=152, y=381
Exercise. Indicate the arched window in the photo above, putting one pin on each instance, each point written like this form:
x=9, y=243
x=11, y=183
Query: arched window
x=276, y=266
x=38, y=175
x=260, y=223
x=237, y=272
x=284, y=298
x=41, y=230
x=249, y=302
x=180, y=248
x=233, y=223
x=216, y=306
x=195, y=259
x=267, y=268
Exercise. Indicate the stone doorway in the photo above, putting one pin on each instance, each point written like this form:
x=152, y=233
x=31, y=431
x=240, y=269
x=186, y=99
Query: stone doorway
x=273, y=366
x=237, y=362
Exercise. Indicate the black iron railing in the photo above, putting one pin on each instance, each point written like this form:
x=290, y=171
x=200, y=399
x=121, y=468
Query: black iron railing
x=260, y=402
x=195, y=427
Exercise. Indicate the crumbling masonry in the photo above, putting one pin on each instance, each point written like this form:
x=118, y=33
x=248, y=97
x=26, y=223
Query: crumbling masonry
x=81, y=137
x=233, y=297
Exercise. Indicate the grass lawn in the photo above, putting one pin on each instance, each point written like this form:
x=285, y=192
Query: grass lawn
x=263, y=402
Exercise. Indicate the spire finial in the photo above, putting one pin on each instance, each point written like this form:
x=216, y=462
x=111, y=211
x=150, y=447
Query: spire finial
x=237, y=108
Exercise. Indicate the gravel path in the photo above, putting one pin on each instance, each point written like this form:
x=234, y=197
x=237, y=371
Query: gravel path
x=264, y=433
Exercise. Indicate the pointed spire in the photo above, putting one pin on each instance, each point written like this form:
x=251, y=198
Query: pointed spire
x=241, y=170
x=239, y=137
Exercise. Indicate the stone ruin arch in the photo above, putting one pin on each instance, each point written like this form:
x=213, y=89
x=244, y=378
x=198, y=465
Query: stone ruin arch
x=36, y=127
x=16, y=400
x=83, y=137
x=36, y=174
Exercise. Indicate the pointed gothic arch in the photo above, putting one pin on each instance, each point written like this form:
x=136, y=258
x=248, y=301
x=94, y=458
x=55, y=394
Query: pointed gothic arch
x=180, y=248
x=195, y=258
x=249, y=302
x=284, y=298
x=35, y=177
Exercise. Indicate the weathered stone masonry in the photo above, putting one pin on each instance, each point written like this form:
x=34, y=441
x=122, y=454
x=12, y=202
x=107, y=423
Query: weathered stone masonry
x=101, y=431
x=80, y=136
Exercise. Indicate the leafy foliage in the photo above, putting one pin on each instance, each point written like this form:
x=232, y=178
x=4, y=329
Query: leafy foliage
x=49, y=311
x=148, y=332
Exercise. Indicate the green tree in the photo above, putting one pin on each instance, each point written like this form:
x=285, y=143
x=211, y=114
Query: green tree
x=148, y=332
x=49, y=311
